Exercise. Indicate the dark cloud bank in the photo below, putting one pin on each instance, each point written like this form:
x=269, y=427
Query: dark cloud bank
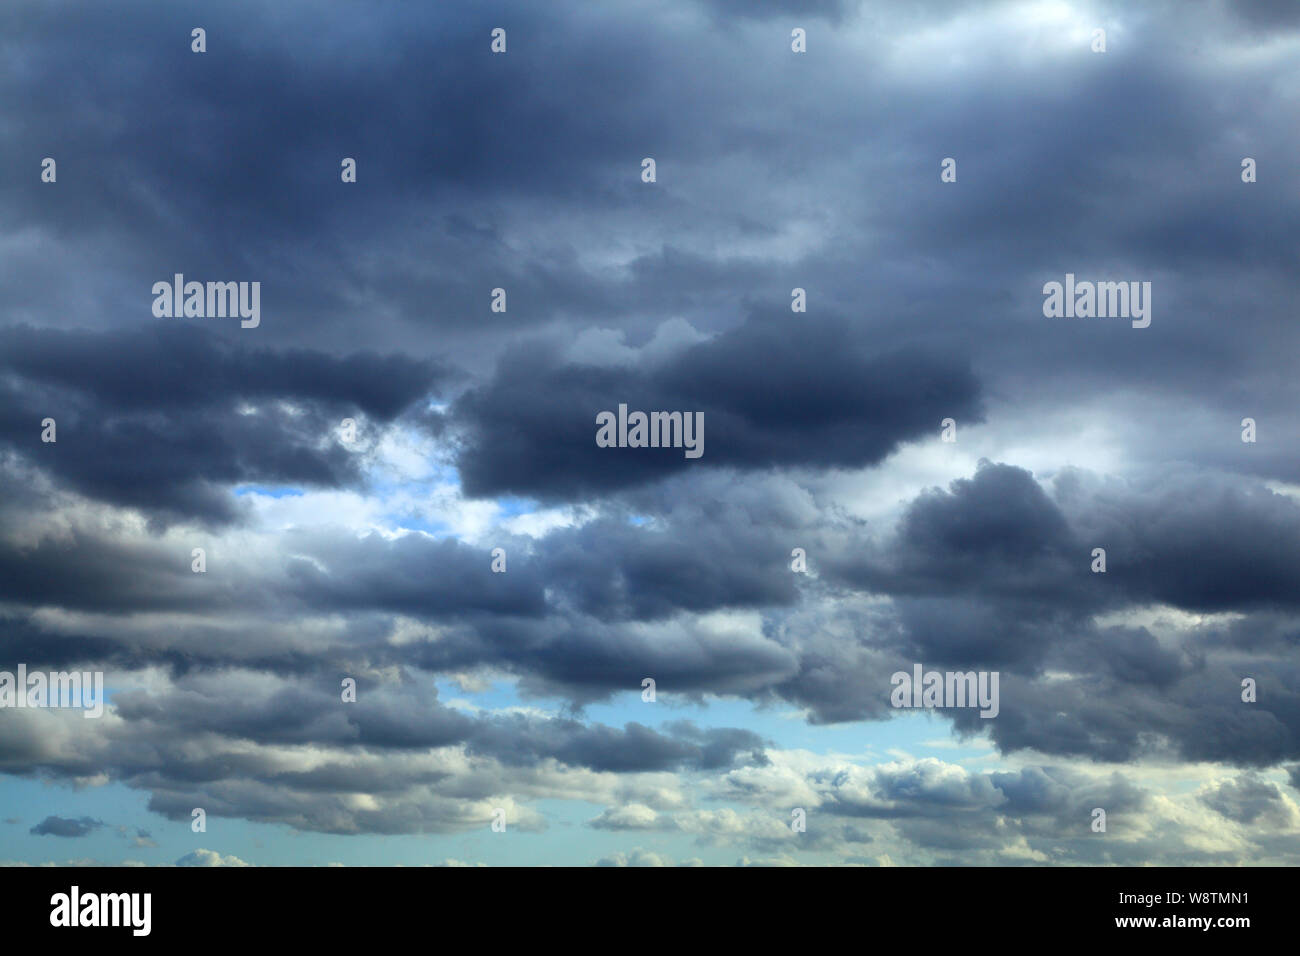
x=474, y=174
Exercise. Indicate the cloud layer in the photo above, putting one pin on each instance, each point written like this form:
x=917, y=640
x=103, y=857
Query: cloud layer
x=366, y=551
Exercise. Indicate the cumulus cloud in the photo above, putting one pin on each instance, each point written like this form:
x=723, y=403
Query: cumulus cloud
x=202, y=857
x=372, y=559
x=65, y=827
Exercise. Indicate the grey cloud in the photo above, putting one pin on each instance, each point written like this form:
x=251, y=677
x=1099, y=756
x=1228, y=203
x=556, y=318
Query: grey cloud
x=66, y=827
x=825, y=400
x=1247, y=798
x=151, y=417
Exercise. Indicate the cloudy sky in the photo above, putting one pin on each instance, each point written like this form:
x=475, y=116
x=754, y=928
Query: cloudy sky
x=371, y=559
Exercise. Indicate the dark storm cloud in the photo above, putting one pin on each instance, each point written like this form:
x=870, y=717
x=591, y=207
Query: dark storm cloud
x=178, y=365
x=23, y=641
x=1268, y=14
x=1202, y=543
x=587, y=660
x=562, y=643
x=1199, y=717
x=832, y=10
x=1195, y=541
x=65, y=827
x=961, y=815
x=100, y=573
x=572, y=584
x=969, y=631
x=613, y=569
x=1247, y=798
x=997, y=530
x=152, y=417
x=776, y=170
x=1045, y=164
x=965, y=596
x=994, y=574
x=178, y=649
x=824, y=400
x=328, y=103
x=412, y=574
x=635, y=748
x=494, y=151
x=441, y=129
x=247, y=707
x=216, y=742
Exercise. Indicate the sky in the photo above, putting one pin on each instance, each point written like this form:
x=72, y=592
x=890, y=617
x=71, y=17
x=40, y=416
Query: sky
x=398, y=487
